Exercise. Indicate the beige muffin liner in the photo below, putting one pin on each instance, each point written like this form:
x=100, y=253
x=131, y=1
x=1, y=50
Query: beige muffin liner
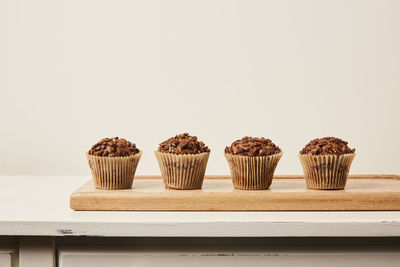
x=252, y=173
x=326, y=171
x=182, y=171
x=113, y=173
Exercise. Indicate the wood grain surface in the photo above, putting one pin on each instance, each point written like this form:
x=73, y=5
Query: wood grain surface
x=287, y=193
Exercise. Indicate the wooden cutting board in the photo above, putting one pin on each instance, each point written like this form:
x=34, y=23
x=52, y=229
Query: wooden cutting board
x=287, y=193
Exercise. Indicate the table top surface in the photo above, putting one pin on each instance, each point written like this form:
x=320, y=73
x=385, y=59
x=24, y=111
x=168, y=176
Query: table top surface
x=39, y=205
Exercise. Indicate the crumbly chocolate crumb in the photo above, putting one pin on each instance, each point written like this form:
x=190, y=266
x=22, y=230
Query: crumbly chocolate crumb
x=253, y=146
x=327, y=146
x=183, y=144
x=113, y=147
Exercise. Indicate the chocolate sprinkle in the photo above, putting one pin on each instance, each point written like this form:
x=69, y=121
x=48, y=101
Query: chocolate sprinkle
x=183, y=144
x=327, y=146
x=253, y=146
x=113, y=147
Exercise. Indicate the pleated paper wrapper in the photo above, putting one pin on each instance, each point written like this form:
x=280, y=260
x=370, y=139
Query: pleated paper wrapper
x=182, y=171
x=113, y=173
x=326, y=171
x=252, y=173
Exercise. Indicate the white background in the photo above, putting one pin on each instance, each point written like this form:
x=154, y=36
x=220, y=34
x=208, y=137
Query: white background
x=73, y=72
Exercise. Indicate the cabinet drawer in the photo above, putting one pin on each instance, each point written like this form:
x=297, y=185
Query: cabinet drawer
x=95, y=258
x=5, y=259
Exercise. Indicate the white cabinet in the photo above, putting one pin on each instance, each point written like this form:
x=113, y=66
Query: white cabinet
x=78, y=258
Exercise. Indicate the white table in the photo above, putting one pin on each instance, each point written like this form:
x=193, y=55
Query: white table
x=33, y=206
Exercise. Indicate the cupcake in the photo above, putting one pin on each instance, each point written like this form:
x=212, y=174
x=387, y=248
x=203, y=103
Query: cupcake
x=183, y=161
x=113, y=163
x=252, y=162
x=326, y=163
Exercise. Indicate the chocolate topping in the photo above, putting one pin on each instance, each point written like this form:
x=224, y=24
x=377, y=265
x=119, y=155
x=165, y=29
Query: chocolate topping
x=253, y=146
x=113, y=147
x=183, y=144
x=327, y=146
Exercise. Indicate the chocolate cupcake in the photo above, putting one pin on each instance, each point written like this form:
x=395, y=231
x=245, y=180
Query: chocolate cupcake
x=326, y=163
x=252, y=162
x=183, y=161
x=113, y=163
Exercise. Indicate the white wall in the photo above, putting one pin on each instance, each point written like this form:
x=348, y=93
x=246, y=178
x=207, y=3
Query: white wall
x=72, y=72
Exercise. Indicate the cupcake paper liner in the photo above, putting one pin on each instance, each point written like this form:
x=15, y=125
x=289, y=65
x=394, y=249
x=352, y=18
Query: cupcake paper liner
x=182, y=171
x=326, y=171
x=252, y=173
x=113, y=173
